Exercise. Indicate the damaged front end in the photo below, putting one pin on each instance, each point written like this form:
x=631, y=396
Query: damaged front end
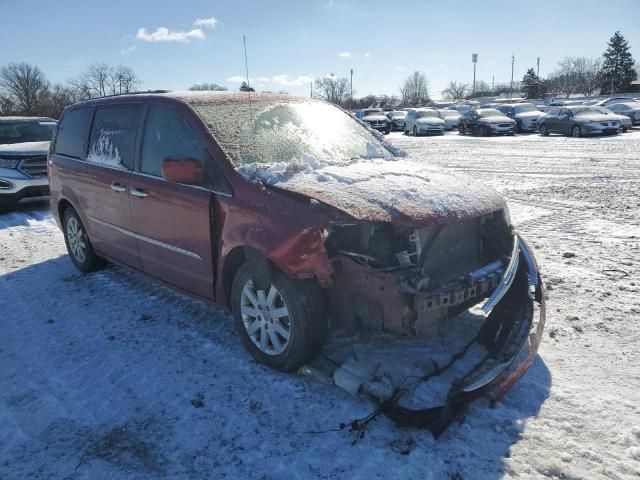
x=411, y=283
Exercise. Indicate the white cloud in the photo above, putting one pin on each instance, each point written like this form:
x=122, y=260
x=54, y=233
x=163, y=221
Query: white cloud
x=367, y=55
x=236, y=79
x=163, y=34
x=210, y=22
x=288, y=81
x=128, y=50
x=344, y=54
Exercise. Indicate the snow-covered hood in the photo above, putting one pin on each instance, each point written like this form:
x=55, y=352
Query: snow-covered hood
x=430, y=121
x=496, y=119
x=529, y=115
x=594, y=117
x=26, y=148
x=375, y=118
x=398, y=191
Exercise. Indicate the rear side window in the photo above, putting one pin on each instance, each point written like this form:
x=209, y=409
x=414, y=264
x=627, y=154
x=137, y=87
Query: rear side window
x=167, y=134
x=73, y=133
x=113, y=136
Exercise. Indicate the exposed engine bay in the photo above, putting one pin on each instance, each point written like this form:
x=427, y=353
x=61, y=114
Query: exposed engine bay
x=417, y=340
x=409, y=281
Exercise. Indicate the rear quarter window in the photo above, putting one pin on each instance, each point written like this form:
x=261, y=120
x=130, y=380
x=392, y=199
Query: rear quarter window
x=73, y=133
x=113, y=136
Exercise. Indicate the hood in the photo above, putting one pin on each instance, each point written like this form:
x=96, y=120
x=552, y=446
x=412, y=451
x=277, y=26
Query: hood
x=495, y=119
x=374, y=118
x=594, y=117
x=398, y=191
x=529, y=115
x=27, y=148
x=430, y=121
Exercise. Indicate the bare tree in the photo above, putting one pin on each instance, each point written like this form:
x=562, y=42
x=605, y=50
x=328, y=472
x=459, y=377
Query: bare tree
x=565, y=76
x=333, y=89
x=214, y=87
x=587, y=72
x=23, y=86
x=456, y=91
x=414, y=90
x=101, y=79
x=56, y=99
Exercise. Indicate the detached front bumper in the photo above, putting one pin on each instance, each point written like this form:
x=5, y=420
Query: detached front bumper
x=511, y=334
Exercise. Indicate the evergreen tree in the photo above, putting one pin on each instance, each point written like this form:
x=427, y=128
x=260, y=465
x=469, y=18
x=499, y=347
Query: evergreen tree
x=532, y=85
x=618, y=67
x=246, y=88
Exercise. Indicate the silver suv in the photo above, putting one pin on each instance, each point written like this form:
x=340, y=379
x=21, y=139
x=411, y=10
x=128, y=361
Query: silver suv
x=24, y=144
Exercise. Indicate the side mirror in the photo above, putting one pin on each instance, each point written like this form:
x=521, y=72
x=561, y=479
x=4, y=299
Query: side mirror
x=182, y=170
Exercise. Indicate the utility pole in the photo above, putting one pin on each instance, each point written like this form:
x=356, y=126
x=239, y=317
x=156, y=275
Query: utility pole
x=511, y=85
x=311, y=89
x=474, y=59
x=538, y=71
x=351, y=93
x=493, y=81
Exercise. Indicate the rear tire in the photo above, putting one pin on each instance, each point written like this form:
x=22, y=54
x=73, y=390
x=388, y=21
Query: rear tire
x=462, y=130
x=576, y=132
x=415, y=131
x=78, y=244
x=281, y=321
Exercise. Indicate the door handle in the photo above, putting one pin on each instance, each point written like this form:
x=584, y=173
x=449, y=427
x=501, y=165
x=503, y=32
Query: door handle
x=137, y=192
x=118, y=187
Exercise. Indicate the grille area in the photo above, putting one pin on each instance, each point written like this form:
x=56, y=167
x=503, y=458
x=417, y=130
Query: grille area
x=34, y=166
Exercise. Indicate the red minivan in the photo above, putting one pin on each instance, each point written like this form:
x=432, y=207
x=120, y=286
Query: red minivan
x=301, y=220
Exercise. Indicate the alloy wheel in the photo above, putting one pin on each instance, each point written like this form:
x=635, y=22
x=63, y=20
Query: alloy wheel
x=77, y=240
x=265, y=316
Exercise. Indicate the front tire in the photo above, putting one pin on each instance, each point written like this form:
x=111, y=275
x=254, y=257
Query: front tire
x=281, y=321
x=462, y=130
x=544, y=131
x=78, y=244
x=576, y=132
x=415, y=131
x=484, y=131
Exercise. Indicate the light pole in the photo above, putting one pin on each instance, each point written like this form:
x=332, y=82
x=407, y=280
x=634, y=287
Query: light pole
x=351, y=92
x=511, y=85
x=538, y=70
x=474, y=59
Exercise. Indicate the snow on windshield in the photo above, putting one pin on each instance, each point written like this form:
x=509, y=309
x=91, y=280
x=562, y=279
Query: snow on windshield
x=277, y=138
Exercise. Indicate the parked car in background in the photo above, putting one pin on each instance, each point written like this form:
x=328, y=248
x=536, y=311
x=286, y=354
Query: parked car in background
x=24, y=143
x=450, y=117
x=611, y=100
x=526, y=115
x=577, y=121
x=461, y=108
x=628, y=109
x=424, y=121
x=181, y=186
x=397, y=118
x=485, y=122
x=376, y=119
x=625, y=122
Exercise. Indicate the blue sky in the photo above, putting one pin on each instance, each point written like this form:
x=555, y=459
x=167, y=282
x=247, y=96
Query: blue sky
x=290, y=42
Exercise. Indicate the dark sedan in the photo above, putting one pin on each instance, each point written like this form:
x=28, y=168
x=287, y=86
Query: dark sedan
x=578, y=121
x=486, y=121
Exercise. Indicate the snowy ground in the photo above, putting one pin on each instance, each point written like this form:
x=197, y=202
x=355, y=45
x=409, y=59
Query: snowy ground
x=112, y=376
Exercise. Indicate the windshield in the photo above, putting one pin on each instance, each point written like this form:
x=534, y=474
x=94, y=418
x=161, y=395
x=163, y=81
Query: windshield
x=292, y=132
x=372, y=112
x=398, y=114
x=21, y=132
x=586, y=110
x=489, y=112
x=449, y=113
x=428, y=113
x=525, y=107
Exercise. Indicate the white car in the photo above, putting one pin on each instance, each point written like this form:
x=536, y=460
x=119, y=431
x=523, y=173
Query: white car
x=625, y=122
x=450, y=117
x=628, y=109
x=424, y=121
x=610, y=101
x=526, y=115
